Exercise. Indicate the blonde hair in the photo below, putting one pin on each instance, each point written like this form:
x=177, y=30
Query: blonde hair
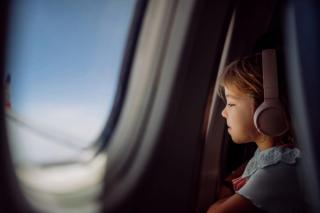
x=246, y=75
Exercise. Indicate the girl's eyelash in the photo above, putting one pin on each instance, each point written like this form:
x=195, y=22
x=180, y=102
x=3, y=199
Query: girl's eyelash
x=230, y=105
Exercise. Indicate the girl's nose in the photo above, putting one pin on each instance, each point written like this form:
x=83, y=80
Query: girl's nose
x=224, y=113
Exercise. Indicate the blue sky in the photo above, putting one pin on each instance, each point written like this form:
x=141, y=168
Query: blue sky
x=64, y=60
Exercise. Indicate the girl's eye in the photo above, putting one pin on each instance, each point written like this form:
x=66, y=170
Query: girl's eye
x=230, y=105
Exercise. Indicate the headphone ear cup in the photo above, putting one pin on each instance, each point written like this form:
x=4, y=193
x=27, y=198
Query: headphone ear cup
x=270, y=118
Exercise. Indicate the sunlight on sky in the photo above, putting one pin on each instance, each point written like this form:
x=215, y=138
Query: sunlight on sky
x=64, y=61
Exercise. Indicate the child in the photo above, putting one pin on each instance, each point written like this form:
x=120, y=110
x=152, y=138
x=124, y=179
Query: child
x=269, y=182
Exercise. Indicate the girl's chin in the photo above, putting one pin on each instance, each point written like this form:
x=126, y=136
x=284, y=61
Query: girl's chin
x=237, y=142
x=235, y=139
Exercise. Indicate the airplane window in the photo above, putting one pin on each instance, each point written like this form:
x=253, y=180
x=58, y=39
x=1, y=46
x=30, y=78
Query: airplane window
x=63, y=66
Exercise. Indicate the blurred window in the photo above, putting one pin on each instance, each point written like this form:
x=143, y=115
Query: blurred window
x=63, y=65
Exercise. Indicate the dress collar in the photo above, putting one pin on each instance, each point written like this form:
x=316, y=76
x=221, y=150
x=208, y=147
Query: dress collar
x=271, y=156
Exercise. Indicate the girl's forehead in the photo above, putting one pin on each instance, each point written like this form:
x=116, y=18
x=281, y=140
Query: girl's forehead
x=239, y=97
x=233, y=92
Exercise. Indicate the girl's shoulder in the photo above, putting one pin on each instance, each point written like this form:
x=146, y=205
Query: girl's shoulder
x=272, y=157
x=270, y=180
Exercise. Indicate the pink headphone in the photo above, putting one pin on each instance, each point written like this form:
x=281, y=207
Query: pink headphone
x=270, y=117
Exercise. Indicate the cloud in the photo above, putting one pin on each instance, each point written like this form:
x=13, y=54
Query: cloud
x=54, y=133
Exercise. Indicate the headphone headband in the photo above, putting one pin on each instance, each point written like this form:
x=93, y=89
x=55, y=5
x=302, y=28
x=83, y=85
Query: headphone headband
x=269, y=70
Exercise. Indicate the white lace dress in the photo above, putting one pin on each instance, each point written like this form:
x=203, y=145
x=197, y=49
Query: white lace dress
x=270, y=180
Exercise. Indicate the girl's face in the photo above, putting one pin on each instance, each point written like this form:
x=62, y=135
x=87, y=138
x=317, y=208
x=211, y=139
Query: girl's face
x=238, y=112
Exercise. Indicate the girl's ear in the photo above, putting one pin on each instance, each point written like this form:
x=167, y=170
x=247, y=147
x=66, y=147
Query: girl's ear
x=270, y=118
